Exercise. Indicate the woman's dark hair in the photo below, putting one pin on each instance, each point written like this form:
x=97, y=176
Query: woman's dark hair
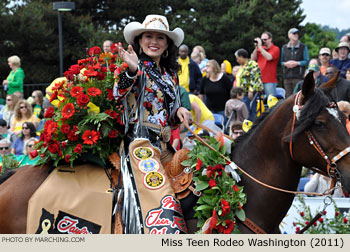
x=32, y=129
x=242, y=53
x=170, y=62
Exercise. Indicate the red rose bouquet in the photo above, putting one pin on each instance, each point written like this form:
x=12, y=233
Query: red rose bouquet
x=87, y=119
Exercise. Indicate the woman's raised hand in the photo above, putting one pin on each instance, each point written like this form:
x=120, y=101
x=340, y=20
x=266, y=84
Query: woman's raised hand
x=129, y=57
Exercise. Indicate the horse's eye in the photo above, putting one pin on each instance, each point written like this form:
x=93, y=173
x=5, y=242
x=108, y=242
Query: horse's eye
x=320, y=125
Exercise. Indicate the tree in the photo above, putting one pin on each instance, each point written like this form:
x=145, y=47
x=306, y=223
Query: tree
x=32, y=34
x=29, y=29
x=234, y=24
x=315, y=38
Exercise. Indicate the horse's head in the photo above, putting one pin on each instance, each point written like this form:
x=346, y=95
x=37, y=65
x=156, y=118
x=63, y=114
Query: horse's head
x=319, y=137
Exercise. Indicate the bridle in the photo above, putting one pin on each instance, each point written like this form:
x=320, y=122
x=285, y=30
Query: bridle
x=332, y=170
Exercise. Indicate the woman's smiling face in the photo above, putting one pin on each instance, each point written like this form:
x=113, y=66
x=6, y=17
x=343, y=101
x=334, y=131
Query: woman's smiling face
x=154, y=44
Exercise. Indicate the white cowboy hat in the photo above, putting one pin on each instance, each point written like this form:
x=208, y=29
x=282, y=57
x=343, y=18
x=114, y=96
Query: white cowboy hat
x=155, y=23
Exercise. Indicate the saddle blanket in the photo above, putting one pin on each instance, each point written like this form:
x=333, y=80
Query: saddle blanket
x=72, y=201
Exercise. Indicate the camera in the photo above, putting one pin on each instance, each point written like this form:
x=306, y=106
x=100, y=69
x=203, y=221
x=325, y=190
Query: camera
x=256, y=42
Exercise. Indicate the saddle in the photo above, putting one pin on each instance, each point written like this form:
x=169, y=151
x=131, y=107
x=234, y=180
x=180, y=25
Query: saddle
x=179, y=176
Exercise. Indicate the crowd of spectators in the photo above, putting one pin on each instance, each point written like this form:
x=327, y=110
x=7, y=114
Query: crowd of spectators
x=209, y=89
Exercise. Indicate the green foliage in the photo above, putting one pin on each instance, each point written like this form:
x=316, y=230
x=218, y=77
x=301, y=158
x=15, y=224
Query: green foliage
x=219, y=192
x=339, y=224
x=9, y=162
x=315, y=38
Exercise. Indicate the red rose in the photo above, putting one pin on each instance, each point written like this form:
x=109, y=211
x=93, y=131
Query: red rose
x=68, y=111
x=92, y=91
x=90, y=73
x=302, y=214
x=225, y=206
x=114, y=48
x=297, y=230
x=212, y=171
x=49, y=112
x=75, y=69
x=33, y=154
x=78, y=149
x=76, y=91
x=53, y=96
x=226, y=227
x=53, y=148
x=212, y=183
x=94, y=51
x=320, y=220
x=113, y=134
x=112, y=67
x=72, y=136
x=100, y=76
x=345, y=220
x=67, y=158
x=336, y=213
x=63, y=144
x=235, y=188
x=239, y=206
x=112, y=113
x=110, y=95
x=199, y=164
x=50, y=127
x=65, y=128
x=83, y=99
x=69, y=75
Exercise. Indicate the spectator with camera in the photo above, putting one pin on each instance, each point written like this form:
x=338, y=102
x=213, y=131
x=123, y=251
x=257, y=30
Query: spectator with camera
x=267, y=56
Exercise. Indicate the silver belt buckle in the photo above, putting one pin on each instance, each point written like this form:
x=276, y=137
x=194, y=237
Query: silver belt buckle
x=165, y=133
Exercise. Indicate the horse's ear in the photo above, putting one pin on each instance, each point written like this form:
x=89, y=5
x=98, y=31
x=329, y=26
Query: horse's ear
x=329, y=85
x=308, y=87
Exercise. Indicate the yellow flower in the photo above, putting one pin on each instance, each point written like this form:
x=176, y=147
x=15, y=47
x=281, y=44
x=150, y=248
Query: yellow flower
x=106, y=57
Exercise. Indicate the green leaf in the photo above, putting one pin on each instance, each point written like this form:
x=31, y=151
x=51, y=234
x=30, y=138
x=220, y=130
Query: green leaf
x=201, y=185
x=240, y=214
x=203, y=207
x=187, y=162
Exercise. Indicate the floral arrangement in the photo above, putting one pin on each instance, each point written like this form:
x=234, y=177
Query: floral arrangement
x=221, y=199
x=339, y=224
x=87, y=119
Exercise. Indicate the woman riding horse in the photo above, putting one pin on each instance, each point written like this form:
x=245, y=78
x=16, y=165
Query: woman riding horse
x=273, y=152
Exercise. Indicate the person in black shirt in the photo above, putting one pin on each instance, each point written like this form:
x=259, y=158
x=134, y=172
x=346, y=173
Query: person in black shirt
x=216, y=87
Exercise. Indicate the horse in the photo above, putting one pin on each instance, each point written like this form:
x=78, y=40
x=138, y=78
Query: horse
x=273, y=152
x=279, y=145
